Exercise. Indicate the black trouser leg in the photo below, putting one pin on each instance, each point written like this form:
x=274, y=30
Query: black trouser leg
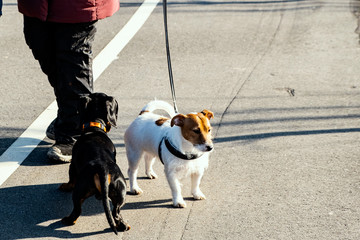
x=64, y=53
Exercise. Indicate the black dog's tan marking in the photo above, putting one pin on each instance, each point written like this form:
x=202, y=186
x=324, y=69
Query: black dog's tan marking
x=93, y=169
x=97, y=181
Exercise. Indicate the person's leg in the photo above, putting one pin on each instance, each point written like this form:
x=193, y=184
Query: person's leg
x=74, y=76
x=65, y=56
x=39, y=38
x=73, y=81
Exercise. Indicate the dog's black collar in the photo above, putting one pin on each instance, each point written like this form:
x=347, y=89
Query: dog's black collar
x=175, y=152
x=94, y=124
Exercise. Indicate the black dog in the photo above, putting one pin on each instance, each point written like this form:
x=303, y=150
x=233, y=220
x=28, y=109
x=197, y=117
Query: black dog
x=93, y=169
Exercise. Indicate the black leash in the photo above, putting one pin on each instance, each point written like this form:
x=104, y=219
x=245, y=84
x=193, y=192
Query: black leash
x=168, y=56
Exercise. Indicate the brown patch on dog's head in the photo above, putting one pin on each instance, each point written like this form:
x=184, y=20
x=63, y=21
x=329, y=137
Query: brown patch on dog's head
x=196, y=128
x=208, y=114
x=161, y=121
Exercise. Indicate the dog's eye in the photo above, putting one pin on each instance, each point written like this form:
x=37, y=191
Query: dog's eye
x=209, y=130
x=197, y=131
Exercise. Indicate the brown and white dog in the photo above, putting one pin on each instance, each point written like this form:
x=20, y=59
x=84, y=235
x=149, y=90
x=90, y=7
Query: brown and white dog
x=182, y=143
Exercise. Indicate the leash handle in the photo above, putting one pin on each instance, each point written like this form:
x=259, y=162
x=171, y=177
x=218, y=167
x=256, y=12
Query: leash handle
x=168, y=56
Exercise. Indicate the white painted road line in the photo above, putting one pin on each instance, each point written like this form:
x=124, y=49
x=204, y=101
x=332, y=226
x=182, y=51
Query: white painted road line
x=116, y=45
x=11, y=159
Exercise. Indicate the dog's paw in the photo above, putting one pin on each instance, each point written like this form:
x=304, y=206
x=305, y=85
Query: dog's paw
x=152, y=175
x=123, y=226
x=68, y=221
x=66, y=187
x=136, y=191
x=179, y=204
x=98, y=196
x=199, y=195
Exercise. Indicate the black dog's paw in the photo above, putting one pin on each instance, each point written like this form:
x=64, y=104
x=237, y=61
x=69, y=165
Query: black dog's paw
x=68, y=221
x=122, y=226
x=66, y=187
x=98, y=196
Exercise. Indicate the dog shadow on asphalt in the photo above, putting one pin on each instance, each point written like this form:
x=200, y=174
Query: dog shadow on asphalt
x=35, y=211
x=26, y=209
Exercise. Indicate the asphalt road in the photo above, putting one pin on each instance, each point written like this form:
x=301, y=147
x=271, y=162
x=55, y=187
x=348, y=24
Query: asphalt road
x=282, y=78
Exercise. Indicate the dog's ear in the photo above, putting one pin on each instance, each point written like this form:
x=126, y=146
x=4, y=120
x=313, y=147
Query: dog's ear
x=112, y=110
x=83, y=104
x=208, y=114
x=84, y=101
x=178, y=120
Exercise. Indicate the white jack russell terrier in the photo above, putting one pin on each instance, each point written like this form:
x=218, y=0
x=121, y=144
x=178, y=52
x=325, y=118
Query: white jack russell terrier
x=182, y=143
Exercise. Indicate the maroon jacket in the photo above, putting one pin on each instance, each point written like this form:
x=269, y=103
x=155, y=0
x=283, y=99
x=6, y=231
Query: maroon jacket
x=68, y=11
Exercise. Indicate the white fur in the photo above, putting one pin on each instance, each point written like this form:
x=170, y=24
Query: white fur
x=142, y=139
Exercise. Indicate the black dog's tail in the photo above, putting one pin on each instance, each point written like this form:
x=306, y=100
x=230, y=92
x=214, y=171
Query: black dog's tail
x=104, y=179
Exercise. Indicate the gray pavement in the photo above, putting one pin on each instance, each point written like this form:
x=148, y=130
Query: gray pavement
x=282, y=78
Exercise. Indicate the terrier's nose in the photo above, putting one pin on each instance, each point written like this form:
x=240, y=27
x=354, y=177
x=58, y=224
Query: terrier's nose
x=209, y=148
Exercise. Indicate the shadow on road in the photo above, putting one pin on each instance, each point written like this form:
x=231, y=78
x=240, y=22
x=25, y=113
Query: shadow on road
x=284, y=134
x=162, y=203
x=25, y=210
x=35, y=211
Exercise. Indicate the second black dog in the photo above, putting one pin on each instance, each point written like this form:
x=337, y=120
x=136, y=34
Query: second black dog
x=93, y=169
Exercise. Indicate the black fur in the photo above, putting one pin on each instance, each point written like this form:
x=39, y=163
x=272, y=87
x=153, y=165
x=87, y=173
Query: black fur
x=93, y=163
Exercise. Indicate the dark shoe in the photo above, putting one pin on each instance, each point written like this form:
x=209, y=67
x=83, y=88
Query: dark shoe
x=50, y=131
x=60, y=152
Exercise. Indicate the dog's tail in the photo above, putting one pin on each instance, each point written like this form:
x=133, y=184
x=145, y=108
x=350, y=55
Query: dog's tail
x=104, y=179
x=159, y=105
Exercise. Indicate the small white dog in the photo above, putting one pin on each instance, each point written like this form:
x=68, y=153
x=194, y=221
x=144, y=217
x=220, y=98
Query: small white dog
x=182, y=143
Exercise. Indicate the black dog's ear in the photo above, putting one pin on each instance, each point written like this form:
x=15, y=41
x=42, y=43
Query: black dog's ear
x=112, y=110
x=84, y=101
x=83, y=104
